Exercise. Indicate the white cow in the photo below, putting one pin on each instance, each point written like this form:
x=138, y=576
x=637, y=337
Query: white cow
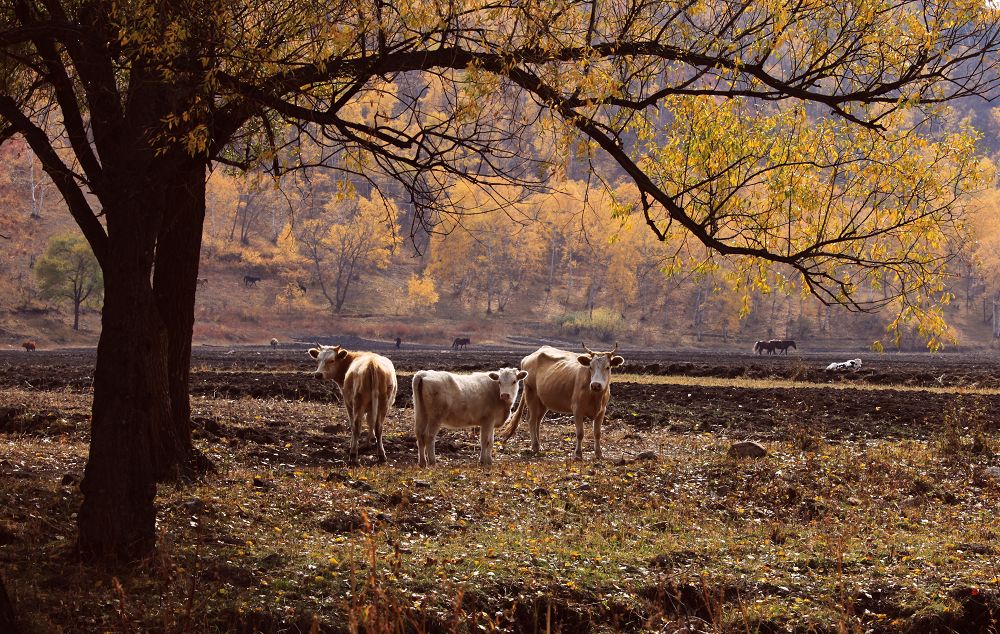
x=367, y=382
x=455, y=401
x=852, y=365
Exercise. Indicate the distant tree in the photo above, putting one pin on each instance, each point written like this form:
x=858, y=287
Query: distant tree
x=68, y=270
x=352, y=236
x=421, y=292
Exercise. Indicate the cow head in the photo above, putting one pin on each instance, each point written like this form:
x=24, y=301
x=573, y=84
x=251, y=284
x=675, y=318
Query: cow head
x=600, y=364
x=330, y=359
x=508, y=379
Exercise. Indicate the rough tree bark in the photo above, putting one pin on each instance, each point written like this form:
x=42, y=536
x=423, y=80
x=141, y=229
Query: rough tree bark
x=131, y=399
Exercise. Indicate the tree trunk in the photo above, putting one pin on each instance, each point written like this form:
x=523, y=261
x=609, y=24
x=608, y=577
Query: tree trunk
x=131, y=399
x=175, y=281
x=76, y=314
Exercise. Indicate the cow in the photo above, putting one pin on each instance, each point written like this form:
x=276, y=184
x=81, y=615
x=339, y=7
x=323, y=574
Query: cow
x=302, y=287
x=456, y=401
x=568, y=383
x=852, y=365
x=250, y=281
x=367, y=383
x=459, y=343
x=782, y=345
x=202, y=281
x=274, y=342
x=29, y=346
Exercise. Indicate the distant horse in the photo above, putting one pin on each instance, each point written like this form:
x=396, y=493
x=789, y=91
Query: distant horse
x=782, y=344
x=459, y=343
x=760, y=346
x=250, y=281
x=29, y=346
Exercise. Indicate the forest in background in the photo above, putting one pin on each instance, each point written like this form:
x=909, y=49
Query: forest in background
x=335, y=254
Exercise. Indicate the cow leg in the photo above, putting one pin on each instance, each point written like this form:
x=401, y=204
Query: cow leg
x=429, y=439
x=536, y=412
x=486, y=444
x=379, y=447
x=578, y=454
x=597, y=435
x=355, y=422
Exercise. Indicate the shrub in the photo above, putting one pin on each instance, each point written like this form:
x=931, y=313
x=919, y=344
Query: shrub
x=601, y=324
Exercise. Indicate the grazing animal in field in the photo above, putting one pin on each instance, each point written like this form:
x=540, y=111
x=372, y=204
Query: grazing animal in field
x=761, y=346
x=459, y=343
x=399, y=342
x=782, y=344
x=457, y=401
x=852, y=365
x=367, y=382
x=29, y=346
x=250, y=281
x=302, y=287
x=568, y=383
x=202, y=281
x=274, y=342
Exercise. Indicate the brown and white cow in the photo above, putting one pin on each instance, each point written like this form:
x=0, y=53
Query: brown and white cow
x=367, y=382
x=457, y=401
x=569, y=383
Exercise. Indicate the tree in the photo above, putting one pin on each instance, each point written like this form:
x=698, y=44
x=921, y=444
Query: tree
x=69, y=270
x=352, y=236
x=149, y=94
x=420, y=292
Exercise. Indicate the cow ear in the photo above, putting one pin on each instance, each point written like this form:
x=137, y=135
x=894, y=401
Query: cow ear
x=522, y=375
x=617, y=361
x=584, y=359
x=313, y=352
x=341, y=354
x=494, y=376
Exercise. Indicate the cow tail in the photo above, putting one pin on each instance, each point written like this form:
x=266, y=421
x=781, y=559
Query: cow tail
x=510, y=425
x=374, y=387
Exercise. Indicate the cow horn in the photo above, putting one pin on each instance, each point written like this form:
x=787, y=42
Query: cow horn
x=589, y=351
x=615, y=350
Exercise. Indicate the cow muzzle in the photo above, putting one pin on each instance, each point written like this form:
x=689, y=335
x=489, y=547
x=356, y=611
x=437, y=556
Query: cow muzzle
x=505, y=398
x=318, y=375
x=596, y=387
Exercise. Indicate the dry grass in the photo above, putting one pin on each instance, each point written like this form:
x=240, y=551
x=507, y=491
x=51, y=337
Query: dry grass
x=885, y=535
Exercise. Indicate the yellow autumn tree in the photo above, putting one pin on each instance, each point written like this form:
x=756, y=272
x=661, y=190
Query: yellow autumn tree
x=352, y=236
x=421, y=293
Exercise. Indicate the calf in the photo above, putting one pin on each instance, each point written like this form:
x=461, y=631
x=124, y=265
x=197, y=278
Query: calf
x=274, y=342
x=29, y=346
x=367, y=382
x=568, y=383
x=454, y=401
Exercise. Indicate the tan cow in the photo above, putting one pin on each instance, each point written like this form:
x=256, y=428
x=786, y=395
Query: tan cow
x=456, y=401
x=367, y=382
x=569, y=383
